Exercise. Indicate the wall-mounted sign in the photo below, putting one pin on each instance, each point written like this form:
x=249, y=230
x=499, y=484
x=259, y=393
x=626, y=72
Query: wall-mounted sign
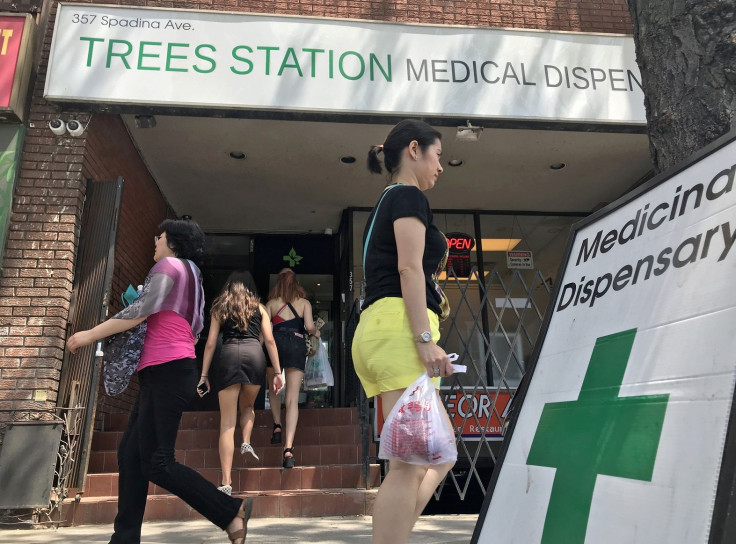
x=16, y=56
x=458, y=259
x=11, y=137
x=519, y=259
x=627, y=426
x=165, y=57
x=476, y=414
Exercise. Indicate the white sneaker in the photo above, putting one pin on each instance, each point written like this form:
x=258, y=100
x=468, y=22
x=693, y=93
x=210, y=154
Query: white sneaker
x=247, y=448
x=226, y=489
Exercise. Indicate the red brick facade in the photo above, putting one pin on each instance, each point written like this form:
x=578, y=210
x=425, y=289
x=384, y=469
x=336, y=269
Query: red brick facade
x=110, y=154
x=38, y=270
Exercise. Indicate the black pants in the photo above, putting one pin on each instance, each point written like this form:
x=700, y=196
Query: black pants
x=146, y=453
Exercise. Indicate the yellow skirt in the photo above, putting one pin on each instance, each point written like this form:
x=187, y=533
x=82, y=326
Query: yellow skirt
x=384, y=351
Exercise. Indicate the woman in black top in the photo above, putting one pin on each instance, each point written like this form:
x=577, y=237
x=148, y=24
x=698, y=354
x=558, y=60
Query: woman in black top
x=399, y=324
x=241, y=369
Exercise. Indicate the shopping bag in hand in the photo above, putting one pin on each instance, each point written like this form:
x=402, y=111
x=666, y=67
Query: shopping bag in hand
x=416, y=430
x=318, y=372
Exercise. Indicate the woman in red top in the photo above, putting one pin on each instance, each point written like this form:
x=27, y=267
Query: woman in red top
x=291, y=315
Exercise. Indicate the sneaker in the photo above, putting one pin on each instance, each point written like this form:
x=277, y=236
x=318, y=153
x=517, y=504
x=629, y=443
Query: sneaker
x=247, y=448
x=226, y=489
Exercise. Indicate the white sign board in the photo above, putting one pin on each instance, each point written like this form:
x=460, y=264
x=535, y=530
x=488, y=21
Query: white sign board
x=163, y=57
x=519, y=259
x=622, y=430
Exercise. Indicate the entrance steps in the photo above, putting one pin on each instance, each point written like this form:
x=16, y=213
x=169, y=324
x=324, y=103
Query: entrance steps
x=326, y=481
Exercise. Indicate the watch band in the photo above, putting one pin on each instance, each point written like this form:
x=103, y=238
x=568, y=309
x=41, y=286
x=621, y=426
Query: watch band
x=423, y=338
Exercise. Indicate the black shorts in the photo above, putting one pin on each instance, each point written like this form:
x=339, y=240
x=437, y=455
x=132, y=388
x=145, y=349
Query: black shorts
x=241, y=362
x=292, y=349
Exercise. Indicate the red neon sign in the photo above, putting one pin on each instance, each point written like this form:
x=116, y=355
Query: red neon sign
x=459, y=243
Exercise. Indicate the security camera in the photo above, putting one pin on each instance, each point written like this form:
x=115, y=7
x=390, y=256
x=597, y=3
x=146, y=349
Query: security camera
x=75, y=128
x=57, y=126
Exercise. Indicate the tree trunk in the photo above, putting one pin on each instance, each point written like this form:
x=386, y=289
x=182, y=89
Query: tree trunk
x=686, y=51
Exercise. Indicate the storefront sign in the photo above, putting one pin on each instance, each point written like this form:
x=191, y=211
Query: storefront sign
x=126, y=55
x=627, y=430
x=476, y=414
x=11, y=137
x=459, y=247
x=519, y=259
x=15, y=59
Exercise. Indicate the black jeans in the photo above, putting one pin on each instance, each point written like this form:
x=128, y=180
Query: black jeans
x=146, y=453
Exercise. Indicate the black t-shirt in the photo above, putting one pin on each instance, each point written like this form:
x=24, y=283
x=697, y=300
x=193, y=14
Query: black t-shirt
x=381, y=260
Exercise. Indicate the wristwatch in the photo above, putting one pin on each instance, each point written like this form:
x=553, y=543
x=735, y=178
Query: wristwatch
x=423, y=338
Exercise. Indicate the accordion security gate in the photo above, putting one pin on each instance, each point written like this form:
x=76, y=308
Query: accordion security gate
x=493, y=326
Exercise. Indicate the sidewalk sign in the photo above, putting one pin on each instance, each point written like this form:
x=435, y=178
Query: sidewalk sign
x=626, y=427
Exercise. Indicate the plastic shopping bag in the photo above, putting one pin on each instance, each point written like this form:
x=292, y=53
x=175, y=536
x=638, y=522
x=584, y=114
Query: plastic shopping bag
x=318, y=372
x=416, y=430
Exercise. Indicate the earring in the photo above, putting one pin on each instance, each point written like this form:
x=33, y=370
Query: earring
x=415, y=157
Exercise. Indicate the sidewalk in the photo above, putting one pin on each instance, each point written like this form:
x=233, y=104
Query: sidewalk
x=348, y=530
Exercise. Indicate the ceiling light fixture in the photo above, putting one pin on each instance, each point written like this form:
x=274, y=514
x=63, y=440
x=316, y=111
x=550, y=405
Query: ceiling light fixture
x=468, y=133
x=455, y=162
x=145, y=121
x=237, y=155
x=557, y=166
x=499, y=244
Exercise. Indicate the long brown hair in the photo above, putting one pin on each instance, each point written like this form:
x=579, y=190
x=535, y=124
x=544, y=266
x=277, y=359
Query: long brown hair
x=238, y=300
x=287, y=287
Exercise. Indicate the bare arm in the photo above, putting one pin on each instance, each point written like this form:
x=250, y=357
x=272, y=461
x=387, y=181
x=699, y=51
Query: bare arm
x=410, y=233
x=103, y=330
x=309, y=319
x=278, y=381
x=269, y=342
x=209, y=352
x=210, y=346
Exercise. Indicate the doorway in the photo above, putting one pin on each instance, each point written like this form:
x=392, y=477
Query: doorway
x=313, y=259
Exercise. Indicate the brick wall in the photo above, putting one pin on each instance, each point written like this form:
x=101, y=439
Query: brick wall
x=570, y=15
x=110, y=153
x=38, y=273
x=38, y=268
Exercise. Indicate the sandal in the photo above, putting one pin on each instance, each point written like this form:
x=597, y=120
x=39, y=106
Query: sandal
x=238, y=537
x=288, y=461
x=276, y=436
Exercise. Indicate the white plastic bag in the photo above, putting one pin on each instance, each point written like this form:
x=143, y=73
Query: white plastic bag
x=318, y=372
x=416, y=430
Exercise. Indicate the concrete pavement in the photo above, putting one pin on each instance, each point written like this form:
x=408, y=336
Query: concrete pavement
x=456, y=529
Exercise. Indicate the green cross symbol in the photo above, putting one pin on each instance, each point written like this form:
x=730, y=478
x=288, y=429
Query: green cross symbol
x=600, y=433
x=292, y=258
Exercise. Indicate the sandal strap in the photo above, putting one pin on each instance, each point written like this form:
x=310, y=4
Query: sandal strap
x=276, y=426
x=288, y=450
x=236, y=535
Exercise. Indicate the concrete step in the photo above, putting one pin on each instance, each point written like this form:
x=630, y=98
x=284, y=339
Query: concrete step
x=188, y=439
x=308, y=417
x=258, y=480
x=269, y=456
x=279, y=504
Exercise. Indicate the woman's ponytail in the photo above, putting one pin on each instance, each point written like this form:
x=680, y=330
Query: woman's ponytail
x=374, y=164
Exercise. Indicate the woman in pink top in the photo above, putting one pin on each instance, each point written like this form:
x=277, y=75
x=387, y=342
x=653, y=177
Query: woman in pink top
x=172, y=306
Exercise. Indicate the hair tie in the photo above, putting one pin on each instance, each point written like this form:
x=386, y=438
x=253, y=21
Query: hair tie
x=380, y=147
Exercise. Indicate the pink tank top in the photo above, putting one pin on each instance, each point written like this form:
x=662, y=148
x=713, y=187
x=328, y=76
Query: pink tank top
x=168, y=337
